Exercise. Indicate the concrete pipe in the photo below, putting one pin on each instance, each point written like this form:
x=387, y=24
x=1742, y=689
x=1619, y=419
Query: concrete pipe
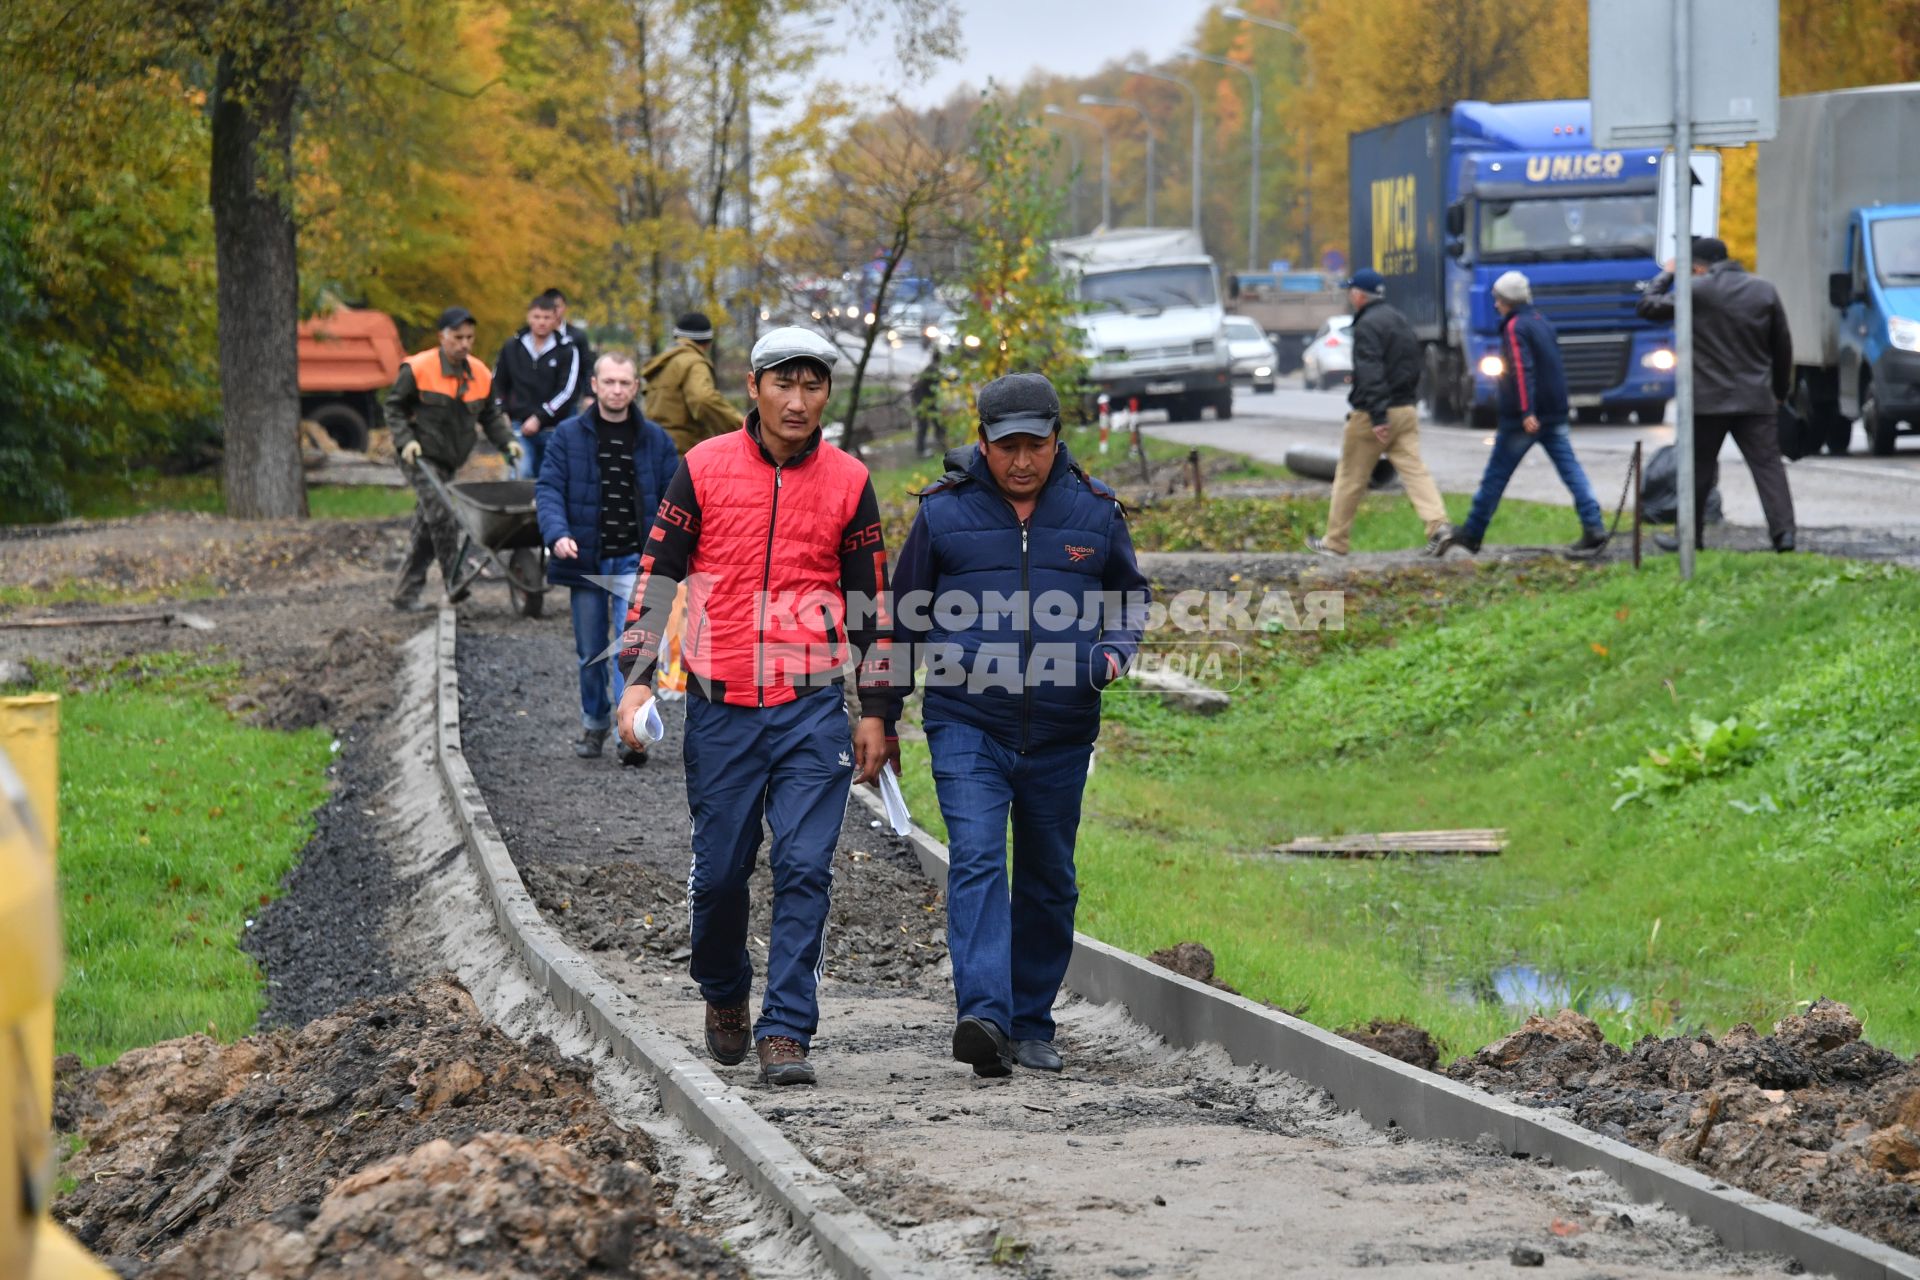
x=1320, y=464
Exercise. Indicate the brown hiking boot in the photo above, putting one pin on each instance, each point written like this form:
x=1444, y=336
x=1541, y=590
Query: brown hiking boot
x=727, y=1030
x=783, y=1060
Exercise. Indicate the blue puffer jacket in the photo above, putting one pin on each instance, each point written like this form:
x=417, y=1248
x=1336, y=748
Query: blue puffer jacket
x=1030, y=677
x=567, y=495
x=1534, y=381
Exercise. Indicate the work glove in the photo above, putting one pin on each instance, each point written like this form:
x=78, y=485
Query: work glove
x=515, y=451
x=410, y=452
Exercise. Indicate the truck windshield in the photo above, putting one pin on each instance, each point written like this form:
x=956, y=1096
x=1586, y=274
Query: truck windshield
x=1896, y=250
x=1150, y=288
x=1567, y=227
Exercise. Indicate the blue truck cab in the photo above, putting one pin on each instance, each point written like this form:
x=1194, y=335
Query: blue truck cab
x=1443, y=204
x=1878, y=298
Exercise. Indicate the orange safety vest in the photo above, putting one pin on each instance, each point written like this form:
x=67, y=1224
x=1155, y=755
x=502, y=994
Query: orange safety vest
x=431, y=378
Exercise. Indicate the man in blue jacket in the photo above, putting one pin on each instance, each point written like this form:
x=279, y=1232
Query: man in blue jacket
x=1533, y=409
x=605, y=472
x=1017, y=588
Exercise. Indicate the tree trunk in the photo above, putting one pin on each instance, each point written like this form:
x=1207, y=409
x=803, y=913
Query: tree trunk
x=258, y=294
x=850, y=438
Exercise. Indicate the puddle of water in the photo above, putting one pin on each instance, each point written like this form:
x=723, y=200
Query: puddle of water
x=1529, y=990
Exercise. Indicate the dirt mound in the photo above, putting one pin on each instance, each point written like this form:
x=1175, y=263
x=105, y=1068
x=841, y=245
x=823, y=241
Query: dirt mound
x=326, y=1149
x=1810, y=1116
x=1190, y=960
x=1397, y=1039
x=499, y=1205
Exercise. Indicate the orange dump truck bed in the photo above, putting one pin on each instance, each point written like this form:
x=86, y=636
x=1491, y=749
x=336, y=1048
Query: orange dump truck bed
x=349, y=350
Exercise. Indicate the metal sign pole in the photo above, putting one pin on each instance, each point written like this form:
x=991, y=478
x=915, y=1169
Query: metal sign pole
x=1683, y=279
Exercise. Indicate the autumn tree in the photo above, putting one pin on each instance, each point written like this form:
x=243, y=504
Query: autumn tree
x=1018, y=313
x=896, y=190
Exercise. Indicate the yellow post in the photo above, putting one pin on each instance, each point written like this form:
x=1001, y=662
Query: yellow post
x=30, y=1245
x=30, y=740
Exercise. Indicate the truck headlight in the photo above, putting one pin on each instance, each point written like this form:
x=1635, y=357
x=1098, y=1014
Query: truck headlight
x=1492, y=366
x=1903, y=333
x=1661, y=359
x=1264, y=371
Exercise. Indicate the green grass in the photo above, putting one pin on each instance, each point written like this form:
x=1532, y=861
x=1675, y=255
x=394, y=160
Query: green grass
x=1512, y=699
x=177, y=822
x=1385, y=522
x=113, y=497
x=88, y=591
x=358, y=502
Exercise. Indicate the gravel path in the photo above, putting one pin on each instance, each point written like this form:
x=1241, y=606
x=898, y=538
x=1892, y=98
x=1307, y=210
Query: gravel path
x=1139, y=1160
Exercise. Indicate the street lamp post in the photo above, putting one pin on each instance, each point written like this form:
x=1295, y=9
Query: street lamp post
x=1307, y=251
x=1073, y=188
x=1146, y=122
x=1194, y=95
x=1106, y=160
x=1253, y=193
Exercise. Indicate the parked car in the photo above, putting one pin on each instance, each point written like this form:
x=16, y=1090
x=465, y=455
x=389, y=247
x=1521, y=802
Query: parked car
x=1254, y=359
x=1328, y=360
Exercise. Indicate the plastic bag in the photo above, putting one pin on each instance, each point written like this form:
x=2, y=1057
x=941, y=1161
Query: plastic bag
x=1660, y=489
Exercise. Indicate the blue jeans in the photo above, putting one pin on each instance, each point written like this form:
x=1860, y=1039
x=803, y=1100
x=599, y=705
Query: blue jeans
x=980, y=783
x=793, y=763
x=599, y=614
x=1510, y=445
x=534, y=449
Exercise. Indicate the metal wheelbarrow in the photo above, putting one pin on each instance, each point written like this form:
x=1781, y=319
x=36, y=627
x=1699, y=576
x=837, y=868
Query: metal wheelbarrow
x=497, y=521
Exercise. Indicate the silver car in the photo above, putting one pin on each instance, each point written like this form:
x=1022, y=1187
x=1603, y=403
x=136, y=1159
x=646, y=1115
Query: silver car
x=1328, y=360
x=1254, y=359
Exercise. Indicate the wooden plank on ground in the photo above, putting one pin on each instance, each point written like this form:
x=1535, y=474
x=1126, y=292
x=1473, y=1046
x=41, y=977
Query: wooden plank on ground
x=1477, y=841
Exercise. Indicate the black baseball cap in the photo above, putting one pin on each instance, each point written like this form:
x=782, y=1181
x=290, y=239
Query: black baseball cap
x=454, y=317
x=1708, y=250
x=1018, y=404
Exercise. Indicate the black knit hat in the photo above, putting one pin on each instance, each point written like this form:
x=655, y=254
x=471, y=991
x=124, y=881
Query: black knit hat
x=694, y=325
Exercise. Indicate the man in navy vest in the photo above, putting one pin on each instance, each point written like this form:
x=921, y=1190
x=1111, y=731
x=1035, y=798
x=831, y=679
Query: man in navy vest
x=1017, y=588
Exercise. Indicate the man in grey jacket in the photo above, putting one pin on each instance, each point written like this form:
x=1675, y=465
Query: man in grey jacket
x=1742, y=371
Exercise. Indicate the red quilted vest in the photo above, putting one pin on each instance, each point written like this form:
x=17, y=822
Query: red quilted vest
x=765, y=611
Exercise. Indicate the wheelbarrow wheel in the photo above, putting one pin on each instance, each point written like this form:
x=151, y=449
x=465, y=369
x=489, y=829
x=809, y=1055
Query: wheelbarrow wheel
x=524, y=566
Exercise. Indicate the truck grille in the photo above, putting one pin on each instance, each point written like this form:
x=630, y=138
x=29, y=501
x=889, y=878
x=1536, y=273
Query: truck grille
x=1585, y=306
x=1594, y=363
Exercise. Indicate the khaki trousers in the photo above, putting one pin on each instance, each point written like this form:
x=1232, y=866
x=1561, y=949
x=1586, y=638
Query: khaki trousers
x=1360, y=449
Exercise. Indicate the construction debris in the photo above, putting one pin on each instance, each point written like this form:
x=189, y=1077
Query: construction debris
x=1483, y=841
x=1181, y=692
x=170, y=618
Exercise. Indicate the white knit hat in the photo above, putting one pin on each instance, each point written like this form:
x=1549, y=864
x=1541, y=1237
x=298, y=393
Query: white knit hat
x=1514, y=287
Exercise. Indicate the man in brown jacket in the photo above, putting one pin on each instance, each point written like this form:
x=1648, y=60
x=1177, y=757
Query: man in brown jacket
x=680, y=393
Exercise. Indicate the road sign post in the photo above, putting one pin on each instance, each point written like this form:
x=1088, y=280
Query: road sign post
x=1722, y=90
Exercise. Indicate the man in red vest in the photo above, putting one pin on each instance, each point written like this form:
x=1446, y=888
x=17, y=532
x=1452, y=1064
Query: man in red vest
x=777, y=536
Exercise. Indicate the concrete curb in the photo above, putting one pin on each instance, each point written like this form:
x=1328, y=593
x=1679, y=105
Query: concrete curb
x=853, y=1245
x=1392, y=1094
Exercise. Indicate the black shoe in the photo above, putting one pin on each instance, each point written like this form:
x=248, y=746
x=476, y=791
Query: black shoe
x=588, y=744
x=1671, y=542
x=1592, y=539
x=983, y=1046
x=1784, y=542
x=1466, y=542
x=410, y=604
x=1037, y=1055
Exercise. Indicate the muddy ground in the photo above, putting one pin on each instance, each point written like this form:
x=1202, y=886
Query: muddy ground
x=404, y=1131
x=1139, y=1160
x=1809, y=1115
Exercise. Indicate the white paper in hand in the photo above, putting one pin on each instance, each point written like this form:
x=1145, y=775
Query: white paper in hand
x=895, y=803
x=647, y=725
